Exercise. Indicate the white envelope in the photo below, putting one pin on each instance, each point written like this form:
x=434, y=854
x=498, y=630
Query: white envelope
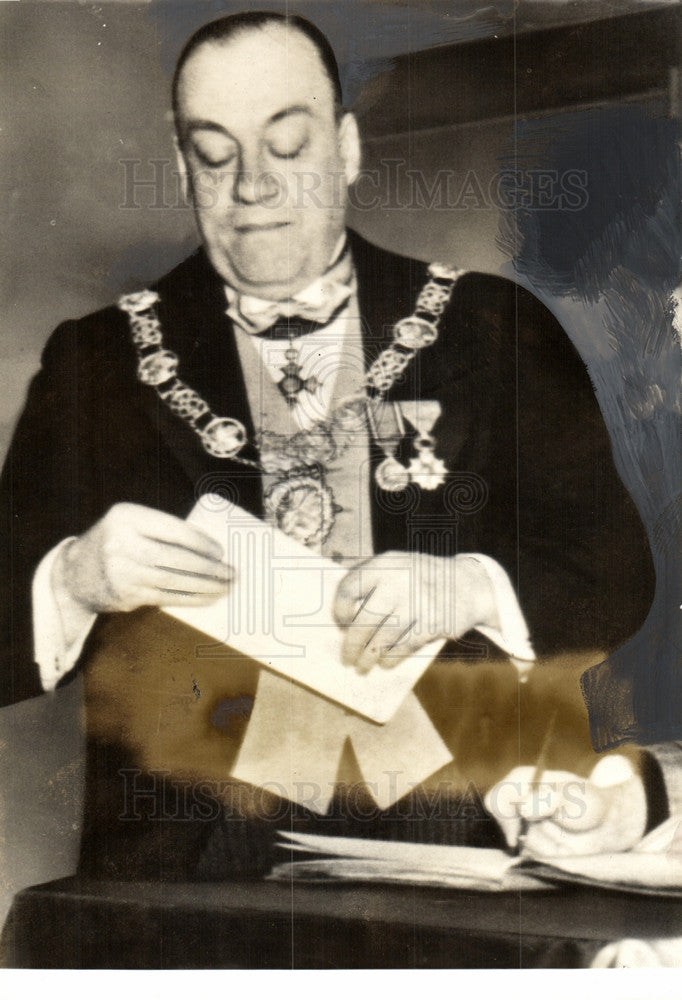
x=279, y=612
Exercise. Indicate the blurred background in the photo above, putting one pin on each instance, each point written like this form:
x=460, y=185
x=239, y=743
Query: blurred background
x=91, y=203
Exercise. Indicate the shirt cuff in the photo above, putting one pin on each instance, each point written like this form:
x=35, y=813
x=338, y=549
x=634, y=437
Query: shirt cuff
x=512, y=634
x=60, y=624
x=669, y=759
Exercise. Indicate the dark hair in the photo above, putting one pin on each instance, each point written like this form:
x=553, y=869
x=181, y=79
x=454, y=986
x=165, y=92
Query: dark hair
x=226, y=27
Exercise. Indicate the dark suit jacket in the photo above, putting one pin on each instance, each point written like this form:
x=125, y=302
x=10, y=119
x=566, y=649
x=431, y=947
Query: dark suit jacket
x=532, y=484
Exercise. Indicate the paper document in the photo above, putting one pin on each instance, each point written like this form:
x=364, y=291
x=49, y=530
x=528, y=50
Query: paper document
x=355, y=859
x=279, y=612
x=651, y=867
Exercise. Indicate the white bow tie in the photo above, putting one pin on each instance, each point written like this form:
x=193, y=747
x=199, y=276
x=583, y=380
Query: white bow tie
x=316, y=303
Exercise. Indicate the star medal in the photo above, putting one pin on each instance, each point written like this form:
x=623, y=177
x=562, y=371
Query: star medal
x=291, y=384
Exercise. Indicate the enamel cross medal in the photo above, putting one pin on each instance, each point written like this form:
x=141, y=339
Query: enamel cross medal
x=427, y=471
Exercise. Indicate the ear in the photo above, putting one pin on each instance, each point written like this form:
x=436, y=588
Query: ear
x=183, y=172
x=349, y=146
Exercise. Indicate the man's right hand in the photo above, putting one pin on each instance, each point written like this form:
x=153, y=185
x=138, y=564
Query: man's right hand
x=137, y=556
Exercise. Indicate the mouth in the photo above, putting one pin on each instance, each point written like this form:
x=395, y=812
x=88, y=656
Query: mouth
x=260, y=227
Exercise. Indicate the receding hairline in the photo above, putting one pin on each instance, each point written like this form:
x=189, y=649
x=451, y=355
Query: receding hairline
x=224, y=31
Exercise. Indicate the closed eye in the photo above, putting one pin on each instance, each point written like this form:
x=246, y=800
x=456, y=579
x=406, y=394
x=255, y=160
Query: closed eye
x=213, y=162
x=214, y=149
x=287, y=153
x=288, y=137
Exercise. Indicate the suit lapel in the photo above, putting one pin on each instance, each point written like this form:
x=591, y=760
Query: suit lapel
x=388, y=286
x=385, y=286
x=387, y=290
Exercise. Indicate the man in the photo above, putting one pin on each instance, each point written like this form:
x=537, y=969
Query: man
x=138, y=410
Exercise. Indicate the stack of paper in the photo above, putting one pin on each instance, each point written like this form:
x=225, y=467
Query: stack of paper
x=350, y=858
x=654, y=866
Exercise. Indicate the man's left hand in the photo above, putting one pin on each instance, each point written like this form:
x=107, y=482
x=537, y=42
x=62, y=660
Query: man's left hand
x=393, y=604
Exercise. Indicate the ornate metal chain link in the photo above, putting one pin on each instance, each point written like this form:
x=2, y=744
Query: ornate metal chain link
x=433, y=298
x=184, y=402
x=387, y=368
x=224, y=437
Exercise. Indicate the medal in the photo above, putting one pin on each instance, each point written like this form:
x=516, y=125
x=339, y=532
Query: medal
x=302, y=507
x=292, y=383
x=391, y=476
x=427, y=471
x=388, y=427
x=223, y=437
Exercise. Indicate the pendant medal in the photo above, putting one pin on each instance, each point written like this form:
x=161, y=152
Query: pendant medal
x=303, y=508
x=391, y=476
x=292, y=383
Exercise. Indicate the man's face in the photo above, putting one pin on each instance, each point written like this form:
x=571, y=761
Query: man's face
x=266, y=162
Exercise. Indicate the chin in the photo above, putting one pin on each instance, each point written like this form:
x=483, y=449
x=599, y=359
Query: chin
x=263, y=285
x=256, y=277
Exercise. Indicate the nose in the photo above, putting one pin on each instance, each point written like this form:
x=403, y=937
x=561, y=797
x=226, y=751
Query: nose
x=255, y=183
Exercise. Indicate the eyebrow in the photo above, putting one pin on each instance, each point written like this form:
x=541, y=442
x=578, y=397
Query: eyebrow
x=203, y=125
x=206, y=125
x=295, y=109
